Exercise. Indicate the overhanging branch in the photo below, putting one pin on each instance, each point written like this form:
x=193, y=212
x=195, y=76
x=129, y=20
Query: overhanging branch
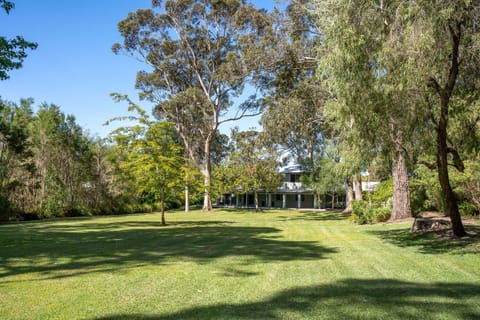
x=457, y=161
x=241, y=116
x=429, y=165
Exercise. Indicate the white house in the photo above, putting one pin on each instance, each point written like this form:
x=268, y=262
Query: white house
x=291, y=194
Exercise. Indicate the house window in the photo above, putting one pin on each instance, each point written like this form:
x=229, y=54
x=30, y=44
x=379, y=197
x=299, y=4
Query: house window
x=278, y=197
x=294, y=178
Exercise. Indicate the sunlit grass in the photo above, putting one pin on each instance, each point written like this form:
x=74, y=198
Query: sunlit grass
x=233, y=265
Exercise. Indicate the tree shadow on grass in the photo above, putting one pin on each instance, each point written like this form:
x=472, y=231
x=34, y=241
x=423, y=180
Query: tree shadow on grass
x=316, y=216
x=64, y=250
x=346, y=299
x=236, y=210
x=433, y=242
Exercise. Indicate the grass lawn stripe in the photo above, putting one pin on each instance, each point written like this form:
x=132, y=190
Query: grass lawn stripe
x=233, y=265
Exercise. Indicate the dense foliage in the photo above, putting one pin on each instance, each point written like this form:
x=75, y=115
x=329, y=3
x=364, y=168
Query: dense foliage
x=49, y=167
x=348, y=89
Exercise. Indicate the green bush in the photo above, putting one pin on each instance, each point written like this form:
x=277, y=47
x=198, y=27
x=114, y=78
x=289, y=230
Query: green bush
x=78, y=211
x=364, y=213
x=468, y=209
x=419, y=200
x=383, y=194
x=381, y=214
x=5, y=208
x=359, y=212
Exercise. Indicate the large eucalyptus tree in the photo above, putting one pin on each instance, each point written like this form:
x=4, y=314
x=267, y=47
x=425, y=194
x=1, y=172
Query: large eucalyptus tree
x=409, y=70
x=293, y=120
x=362, y=72
x=201, y=56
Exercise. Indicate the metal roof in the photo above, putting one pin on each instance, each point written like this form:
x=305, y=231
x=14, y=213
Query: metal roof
x=295, y=168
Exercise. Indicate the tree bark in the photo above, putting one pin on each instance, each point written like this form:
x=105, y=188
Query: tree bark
x=451, y=206
x=445, y=93
x=256, y=201
x=348, y=196
x=207, y=170
x=357, y=187
x=163, y=208
x=187, y=199
x=401, y=193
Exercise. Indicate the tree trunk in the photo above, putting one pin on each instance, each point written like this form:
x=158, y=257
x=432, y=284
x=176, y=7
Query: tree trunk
x=348, y=196
x=187, y=199
x=207, y=170
x=357, y=187
x=451, y=206
x=163, y=208
x=333, y=201
x=401, y=193
x=257, y=209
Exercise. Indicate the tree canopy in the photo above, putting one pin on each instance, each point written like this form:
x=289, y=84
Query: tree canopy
x=201, y=55
x=12, y=51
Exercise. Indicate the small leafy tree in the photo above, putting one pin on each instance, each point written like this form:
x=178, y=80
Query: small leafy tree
x=325, y=178
x=253, y=165
x=152, y=157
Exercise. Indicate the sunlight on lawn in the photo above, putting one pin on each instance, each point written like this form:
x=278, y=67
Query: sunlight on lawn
x=232, y=264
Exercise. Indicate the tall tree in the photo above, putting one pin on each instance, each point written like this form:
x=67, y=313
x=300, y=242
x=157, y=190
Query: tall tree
x=422, y=57
x=444, y=45
x=362, y=70
x=12, y=51
x=15, y=153
x=293, y=119
x=61, y=156
x=201, y=55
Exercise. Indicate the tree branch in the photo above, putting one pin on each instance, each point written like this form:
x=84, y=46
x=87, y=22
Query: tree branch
x=469, y=130
x=454, y=67
x=457, y=161
x=241, y=116
x=432, y=83
x=429, y=165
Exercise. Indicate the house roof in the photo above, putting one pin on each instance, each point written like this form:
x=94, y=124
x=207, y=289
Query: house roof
x=294, y=168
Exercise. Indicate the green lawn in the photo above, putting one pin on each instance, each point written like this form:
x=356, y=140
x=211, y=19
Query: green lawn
x=234, y=265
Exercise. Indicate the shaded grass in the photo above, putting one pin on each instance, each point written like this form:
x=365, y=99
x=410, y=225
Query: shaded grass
x=437, y=242
x=233, y=264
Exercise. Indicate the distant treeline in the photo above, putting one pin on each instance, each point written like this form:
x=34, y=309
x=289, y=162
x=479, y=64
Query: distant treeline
x=50, y=167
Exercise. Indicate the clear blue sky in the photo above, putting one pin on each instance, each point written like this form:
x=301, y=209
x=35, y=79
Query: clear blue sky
x=73, y=66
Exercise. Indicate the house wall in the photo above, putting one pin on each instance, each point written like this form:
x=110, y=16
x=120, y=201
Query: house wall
x=307, y=200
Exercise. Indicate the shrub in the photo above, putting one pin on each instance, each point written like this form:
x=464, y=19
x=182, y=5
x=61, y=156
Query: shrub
x=381, y=214
x=468, y=209
x=5, y=208
x=78, y=211
x=419, y=200
x=383, y=194
x=363, y=213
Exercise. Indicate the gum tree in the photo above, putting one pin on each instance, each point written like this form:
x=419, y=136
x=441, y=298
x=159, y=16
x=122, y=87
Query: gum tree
x=414, y=74
x=201, y=56
x=362, y=73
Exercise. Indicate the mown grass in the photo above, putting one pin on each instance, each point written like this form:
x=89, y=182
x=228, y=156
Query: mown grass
x=234, y=265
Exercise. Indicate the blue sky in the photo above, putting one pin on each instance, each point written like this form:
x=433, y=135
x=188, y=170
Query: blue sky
x=73, y=66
